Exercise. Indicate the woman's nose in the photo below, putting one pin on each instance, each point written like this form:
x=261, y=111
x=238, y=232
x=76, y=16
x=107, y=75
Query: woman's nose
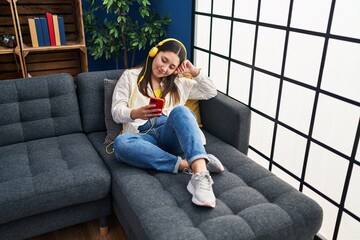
x=163, y=68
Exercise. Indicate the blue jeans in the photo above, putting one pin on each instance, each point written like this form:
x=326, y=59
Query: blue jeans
x=159, y=148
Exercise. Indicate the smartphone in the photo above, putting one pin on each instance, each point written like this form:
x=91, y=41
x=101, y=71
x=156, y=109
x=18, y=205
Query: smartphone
x=159, y=102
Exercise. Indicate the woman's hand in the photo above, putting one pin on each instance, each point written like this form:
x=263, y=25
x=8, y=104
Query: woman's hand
x=187, y=67
x=145, y=112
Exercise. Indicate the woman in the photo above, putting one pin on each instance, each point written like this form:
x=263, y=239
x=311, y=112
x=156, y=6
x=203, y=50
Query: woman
x=154, y=138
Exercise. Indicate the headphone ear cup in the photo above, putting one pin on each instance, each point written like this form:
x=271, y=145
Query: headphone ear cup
x=153, y=51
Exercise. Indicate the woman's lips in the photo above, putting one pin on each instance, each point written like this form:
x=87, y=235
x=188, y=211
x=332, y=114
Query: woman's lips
x=160, y=72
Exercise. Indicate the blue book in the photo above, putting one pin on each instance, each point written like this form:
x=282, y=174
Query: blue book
x=39, y=32
x=45, y=31
x=62, y=30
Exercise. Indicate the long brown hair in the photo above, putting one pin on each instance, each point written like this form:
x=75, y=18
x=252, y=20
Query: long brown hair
x=169, y=81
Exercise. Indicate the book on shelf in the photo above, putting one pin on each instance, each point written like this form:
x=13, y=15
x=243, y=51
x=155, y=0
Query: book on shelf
x=62, y=30
x=50, y=23
x=56, y=30
x=39, y=32
x=45, y=31
x=33, y=34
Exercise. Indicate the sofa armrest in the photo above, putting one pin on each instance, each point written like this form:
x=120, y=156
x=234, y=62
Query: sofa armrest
x=228, y=120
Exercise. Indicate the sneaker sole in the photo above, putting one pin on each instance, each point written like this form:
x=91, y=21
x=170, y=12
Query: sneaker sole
x=191, y=189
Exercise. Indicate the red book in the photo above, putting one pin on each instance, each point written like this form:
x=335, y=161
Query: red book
x=49, y=19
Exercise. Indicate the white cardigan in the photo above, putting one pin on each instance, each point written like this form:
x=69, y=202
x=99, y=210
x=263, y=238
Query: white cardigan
x=127, y=96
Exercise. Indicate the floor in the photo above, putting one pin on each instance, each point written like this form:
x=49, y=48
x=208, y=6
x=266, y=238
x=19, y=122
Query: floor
x=86, y=231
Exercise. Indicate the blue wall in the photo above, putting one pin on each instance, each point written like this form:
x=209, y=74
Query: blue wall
x=180, y=12
x=180, y=28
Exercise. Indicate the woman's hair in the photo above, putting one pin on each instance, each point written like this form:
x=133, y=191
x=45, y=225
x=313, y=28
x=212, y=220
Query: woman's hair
x=169, y=81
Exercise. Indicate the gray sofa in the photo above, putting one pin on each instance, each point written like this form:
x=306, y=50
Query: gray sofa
x=55, y=172
x=50, y=174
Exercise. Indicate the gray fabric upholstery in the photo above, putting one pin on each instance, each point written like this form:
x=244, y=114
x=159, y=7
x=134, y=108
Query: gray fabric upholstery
x=235, y=127
x=252, y=203
x=91, y=98
x=113, y=129
x=50, y=173
x=37, y=108
x=54, y=220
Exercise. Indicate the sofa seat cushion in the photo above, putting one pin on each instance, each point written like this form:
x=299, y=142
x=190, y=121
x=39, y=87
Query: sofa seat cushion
x=48, y=174
x=252, y=203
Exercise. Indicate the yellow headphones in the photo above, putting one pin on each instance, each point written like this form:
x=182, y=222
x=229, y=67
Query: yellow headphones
x=153, y=51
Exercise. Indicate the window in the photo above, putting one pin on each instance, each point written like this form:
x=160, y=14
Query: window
x=296, y=65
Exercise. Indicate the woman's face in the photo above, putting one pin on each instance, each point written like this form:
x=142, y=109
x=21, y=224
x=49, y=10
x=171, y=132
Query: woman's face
x=164, y=64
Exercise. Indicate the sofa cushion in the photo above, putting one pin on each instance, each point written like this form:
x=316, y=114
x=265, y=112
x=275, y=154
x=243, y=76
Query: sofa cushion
x=113, y=129
x=38, y=107
x=252, y=203
x=193, y=104
x=90, y=88
x=51, y=173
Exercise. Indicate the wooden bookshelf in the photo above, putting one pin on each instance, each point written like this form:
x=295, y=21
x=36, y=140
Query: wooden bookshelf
x=39, y=61
x=11, y=65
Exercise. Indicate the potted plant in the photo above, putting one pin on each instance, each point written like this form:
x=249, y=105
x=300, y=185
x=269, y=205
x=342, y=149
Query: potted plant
x=123, y=30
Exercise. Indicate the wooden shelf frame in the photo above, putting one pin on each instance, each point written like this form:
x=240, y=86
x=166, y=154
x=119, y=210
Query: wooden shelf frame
x=71, y=10
x=9, y=27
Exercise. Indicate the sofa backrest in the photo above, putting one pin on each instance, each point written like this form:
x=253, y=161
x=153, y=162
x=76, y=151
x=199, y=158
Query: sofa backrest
x=90, y=88
x=38, y=107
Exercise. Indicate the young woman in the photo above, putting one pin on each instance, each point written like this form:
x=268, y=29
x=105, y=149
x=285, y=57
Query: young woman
x=155, y=138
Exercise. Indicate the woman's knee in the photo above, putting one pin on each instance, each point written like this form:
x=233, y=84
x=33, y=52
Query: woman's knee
x=182, y=111
x=123, y=141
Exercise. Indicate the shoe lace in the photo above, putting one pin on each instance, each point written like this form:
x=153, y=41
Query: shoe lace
x=205, y=180
x=187, y=171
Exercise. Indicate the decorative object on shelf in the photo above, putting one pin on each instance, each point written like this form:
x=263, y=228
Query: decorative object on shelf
x=8, y=40
x=119, y=33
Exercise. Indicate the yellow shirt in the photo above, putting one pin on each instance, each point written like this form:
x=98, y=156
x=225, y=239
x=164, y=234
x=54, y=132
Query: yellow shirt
x=158, y=93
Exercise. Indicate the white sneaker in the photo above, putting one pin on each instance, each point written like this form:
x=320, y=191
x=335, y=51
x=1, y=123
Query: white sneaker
x=200, y=186
x=214, y=165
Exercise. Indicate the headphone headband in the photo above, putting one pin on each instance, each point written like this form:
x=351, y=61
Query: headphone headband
x=153, y=51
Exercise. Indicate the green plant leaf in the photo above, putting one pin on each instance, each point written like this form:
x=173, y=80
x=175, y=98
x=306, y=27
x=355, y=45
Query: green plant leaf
x=121, y=32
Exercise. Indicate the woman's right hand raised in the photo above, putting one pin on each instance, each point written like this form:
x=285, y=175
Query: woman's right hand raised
x=145, y=112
